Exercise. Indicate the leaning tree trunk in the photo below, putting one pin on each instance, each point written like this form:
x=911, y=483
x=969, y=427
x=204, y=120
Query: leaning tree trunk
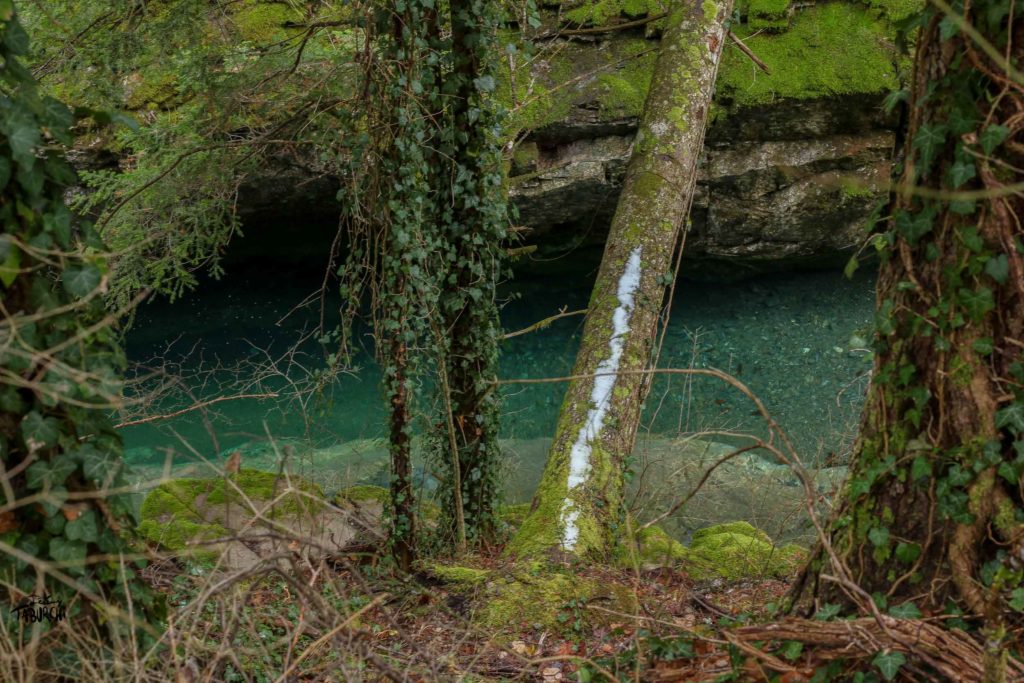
x=932, y=509
x=579, y=502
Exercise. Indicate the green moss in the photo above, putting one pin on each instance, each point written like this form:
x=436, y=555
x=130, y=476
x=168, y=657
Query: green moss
x=514, y=515
x=654, y=546
x=262, y=22
x=547, y=93
x=897, y=10
x=178, y=511
x=833, y=49
x=356, y=494
x=468, y=576
x=742, y=528
x=738, y=550
x=151, y=90
x=599, y=12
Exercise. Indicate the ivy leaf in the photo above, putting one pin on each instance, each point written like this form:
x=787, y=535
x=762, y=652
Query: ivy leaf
x=998, y=268
x=38, y=431
x=960, y=172
x=64, y=550
x=827, y=611
x=48, y=473
x=1017, y=599
x=889, y=663
x=914, y=226
x=10, y=260
x=928, y=141
x=907, y=610
x=972, y=239
x=484, y=83
x=791, y=649
x=1011, y=416
x=81, y=279
x=83, y=528
x=992, y=137
x=977, y=302
x=983, y=346
x=920, y=468
x=879, y=536
x=907, y=553
x=22, y=136
x=98, y=465
x=947, y=28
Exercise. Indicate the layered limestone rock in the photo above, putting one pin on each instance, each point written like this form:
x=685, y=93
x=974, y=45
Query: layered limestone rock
x=795, y=161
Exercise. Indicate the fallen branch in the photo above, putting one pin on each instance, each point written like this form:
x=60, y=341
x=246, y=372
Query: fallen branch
x=749, y=53
x=544, y=323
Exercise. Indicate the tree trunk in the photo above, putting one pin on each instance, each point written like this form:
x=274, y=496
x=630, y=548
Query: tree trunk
x=475, y=224
x=932, y=509
x=579, y=503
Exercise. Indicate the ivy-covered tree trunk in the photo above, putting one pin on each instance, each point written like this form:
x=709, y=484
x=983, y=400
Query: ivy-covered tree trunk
x=60, y=375
x=475, y=222
x=933, y=511
x=578, y=506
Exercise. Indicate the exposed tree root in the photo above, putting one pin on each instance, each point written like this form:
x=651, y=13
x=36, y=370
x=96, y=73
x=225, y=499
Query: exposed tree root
x=952, y=654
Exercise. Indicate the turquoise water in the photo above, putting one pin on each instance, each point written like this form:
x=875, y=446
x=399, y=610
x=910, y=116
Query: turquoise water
x=792, y=338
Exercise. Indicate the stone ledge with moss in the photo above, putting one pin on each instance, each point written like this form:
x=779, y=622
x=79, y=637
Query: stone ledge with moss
x=773, y=206
x=237, y=511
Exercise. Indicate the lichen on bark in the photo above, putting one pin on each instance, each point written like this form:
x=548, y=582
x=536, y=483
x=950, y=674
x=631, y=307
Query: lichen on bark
x=577, y=509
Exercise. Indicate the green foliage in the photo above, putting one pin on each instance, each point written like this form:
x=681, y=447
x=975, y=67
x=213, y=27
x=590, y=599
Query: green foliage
x=60, y=372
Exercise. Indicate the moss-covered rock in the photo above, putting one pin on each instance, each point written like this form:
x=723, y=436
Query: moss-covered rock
x=184, y=515
x=738, y=550
x=741, y=528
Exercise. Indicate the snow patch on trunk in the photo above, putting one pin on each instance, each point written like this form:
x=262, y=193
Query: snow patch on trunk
x=600, y=396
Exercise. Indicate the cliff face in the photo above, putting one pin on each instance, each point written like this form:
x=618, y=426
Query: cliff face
x=794, y=161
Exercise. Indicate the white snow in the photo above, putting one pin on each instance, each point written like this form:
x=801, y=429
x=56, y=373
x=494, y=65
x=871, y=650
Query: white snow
x=600, y=396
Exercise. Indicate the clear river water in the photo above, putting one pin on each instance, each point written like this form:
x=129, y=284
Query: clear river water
x=796, y=339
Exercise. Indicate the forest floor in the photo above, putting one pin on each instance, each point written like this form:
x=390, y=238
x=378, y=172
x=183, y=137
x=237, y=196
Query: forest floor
x=352, y=620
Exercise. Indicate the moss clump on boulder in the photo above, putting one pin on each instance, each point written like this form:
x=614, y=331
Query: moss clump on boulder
x=738, y=550
x=185, y=511
x=655, y=547
x=742, y=528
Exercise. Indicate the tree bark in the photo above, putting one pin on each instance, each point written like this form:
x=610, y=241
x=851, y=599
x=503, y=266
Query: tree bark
x=931, y=511
x=578, y=506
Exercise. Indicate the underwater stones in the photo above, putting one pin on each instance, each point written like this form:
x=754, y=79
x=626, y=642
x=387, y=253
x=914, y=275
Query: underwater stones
x=227, y=519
